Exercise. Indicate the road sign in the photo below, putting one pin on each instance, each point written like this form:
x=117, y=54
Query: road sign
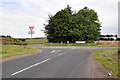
x=31, y=32
x=31, y=28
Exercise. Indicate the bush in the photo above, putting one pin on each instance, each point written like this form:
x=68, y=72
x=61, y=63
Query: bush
x=89, y=41
x=20, y=43
x=119, y=51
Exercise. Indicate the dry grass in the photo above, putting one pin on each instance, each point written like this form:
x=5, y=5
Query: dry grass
x=110, y=42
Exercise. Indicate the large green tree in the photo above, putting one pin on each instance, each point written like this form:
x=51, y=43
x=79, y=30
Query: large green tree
x=88, y=23
x=66, y=25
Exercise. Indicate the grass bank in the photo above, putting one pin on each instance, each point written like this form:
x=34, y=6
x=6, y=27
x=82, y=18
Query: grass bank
x=82, y=44
x=13, y=50
x=109, y=59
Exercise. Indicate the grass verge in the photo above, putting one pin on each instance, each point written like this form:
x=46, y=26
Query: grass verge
x=85, y=44
x=109, y=59
x=13, y=50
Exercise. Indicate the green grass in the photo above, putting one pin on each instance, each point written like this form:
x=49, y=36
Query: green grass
x=39, y=40
x=85, y=44
x=13, y=50
x=109, y=59
x=119, y=62
x=42, y=41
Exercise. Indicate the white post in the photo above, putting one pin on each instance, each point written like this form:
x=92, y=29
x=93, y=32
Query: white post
x=31, y=38
x=31, y=28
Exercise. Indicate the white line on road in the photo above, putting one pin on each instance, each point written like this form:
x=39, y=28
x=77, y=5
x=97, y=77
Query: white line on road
x=36, y=64
x=53, y=51
x=30, y=67
x=60, y=54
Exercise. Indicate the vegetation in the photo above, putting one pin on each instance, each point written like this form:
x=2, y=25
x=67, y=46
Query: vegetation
x=119, y=62
x=109, y=59
x=82, y=44
x=16, y=46
x=39, y=40
x=67, y=25
x=108, y=37
x=42, y=41
x=22, y=41
x=13, y=50
x=12, y=41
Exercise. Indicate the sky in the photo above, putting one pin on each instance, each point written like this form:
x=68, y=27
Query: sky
x=16, y=16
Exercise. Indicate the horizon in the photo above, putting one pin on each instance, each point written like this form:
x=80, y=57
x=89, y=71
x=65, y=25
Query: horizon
x=46, y=37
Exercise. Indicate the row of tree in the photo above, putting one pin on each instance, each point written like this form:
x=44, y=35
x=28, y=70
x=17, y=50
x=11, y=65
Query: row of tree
x=67, y=25
x=8, y=36
x=108, y=35
x=109, y=39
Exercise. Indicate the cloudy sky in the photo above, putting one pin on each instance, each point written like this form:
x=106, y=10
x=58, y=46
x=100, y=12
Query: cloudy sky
x=17, y=15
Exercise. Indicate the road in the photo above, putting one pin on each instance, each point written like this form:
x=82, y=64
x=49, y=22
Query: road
x=52, y=62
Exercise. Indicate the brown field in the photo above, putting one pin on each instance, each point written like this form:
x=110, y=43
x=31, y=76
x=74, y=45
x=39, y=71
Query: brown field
x=110, y=42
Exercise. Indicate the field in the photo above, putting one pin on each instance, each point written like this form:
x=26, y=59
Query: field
x=110, y=42
x=109, y=59
x=44, y=42
x=40, y=40
x=13, y=50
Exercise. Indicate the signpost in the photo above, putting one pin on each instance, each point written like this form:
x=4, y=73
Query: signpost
x=31, y=28
x=31, y=32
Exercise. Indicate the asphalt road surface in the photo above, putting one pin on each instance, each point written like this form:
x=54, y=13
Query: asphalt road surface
x=52, y=62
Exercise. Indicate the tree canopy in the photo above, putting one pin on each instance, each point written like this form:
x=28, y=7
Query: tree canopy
x=67, y=25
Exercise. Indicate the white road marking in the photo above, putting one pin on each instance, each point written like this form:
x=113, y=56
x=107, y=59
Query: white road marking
x=36, y=64
x=60, y=54
x=53, y=51
x=30, y=66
